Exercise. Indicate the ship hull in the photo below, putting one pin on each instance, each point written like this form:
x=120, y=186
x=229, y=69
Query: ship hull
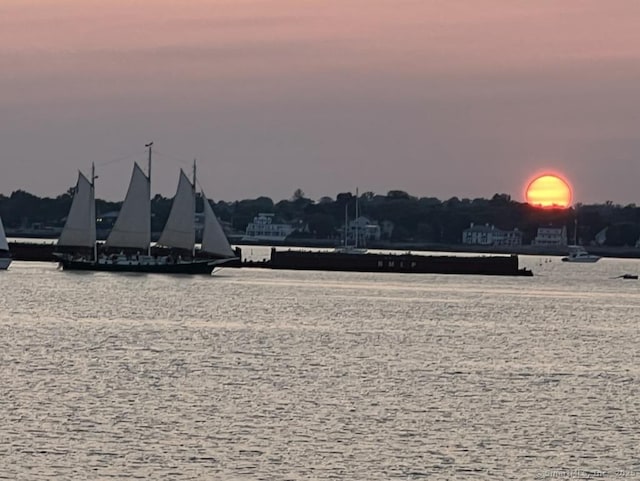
x=5, y=262
x=400, y=263
x=582, y=260
x=198, y=267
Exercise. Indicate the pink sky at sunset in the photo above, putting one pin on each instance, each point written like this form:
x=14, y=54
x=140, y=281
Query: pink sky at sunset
x=438, y=98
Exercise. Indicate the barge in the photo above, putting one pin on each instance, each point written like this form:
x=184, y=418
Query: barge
x=400, y=263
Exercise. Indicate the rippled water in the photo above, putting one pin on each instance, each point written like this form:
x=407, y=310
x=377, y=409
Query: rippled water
x=258, y=374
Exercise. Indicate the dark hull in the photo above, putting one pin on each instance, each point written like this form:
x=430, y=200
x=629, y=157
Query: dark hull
x=200, y=267
x=401, y=263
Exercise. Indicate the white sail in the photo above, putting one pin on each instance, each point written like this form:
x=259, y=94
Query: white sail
x=133, y=226
x=80, y=228
x=180, y=230
x=214, y=240
x=4, y=246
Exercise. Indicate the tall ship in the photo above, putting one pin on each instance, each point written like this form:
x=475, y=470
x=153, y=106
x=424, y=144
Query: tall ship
x=5, y=255
x=128, y=246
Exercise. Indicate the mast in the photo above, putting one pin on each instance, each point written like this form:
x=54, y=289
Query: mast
x=357, y=214
x=193, y=214
x=93, y=189
x=149, y=146
x=346, y=220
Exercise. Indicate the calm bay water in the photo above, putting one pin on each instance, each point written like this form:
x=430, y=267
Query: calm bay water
x=258, y=374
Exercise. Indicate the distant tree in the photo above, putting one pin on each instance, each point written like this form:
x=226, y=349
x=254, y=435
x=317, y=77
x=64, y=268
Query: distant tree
x=400, y=234
x=321, y=225
x=426, y=232
x=500, y=199
x=344, y=197
x=429, y=201
x=264, y=204
x=453, y=202
x=297, y=195
x=620, y=235
x=398, y=194
x=367, y=196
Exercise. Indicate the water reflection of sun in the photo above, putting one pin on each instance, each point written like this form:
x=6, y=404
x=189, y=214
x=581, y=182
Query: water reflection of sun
x=549, y=191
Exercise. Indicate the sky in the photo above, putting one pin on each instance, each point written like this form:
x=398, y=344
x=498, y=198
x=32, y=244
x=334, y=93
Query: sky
x=439, y=98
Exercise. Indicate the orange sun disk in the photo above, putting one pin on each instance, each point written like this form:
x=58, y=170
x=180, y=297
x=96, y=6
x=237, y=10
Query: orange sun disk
x=549, y=191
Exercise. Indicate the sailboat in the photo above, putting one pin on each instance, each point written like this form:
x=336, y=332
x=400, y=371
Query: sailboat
x=5, y=255
x=346, y=248
x=128, y=246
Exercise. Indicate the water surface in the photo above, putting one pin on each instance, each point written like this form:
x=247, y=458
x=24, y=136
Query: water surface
x=259, y=374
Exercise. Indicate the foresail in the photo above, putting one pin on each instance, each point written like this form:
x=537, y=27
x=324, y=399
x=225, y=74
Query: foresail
x=80, y=228
x=133, y=226
x=180, y=231
x=214, y=240
x=4, y=246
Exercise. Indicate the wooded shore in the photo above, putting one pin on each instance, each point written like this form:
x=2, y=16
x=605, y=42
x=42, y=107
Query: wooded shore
x=43, y=252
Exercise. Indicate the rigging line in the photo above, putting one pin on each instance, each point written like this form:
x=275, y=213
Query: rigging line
x=119, y=159
x=199, y=184
x=171, y=157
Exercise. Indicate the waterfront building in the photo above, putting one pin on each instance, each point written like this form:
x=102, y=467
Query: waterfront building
x=263, y=228
x=551, y=236
x=489, y=235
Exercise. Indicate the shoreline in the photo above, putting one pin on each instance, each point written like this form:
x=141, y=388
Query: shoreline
x=24, y=250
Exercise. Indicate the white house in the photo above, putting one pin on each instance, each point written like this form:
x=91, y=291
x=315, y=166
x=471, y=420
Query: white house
x=480, y=235
x=489, y=235
x=264, y=229
x=509, y=238
x=551, y=236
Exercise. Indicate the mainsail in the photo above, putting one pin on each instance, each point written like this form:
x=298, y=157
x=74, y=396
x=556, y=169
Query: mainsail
x=180, y=231
x=4, y=246
x=133, y=226
x=80, y=228
x=214, y=241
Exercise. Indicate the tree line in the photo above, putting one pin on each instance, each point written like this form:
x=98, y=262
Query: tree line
x=414, y=219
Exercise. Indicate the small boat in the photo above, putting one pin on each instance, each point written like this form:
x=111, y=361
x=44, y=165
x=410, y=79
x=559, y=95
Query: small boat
x=627, y=276
x=128, y=246
x=5, y=255
x=579, y=254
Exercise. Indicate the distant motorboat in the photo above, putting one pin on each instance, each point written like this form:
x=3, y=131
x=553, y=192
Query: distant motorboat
x=5, y=255
x=579, y=254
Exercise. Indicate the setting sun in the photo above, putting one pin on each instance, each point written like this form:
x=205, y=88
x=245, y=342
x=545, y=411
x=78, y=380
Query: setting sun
x=548, y=191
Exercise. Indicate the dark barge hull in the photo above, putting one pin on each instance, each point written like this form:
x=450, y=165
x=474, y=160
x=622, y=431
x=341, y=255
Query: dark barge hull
x=204, y=267
x=401, y=263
